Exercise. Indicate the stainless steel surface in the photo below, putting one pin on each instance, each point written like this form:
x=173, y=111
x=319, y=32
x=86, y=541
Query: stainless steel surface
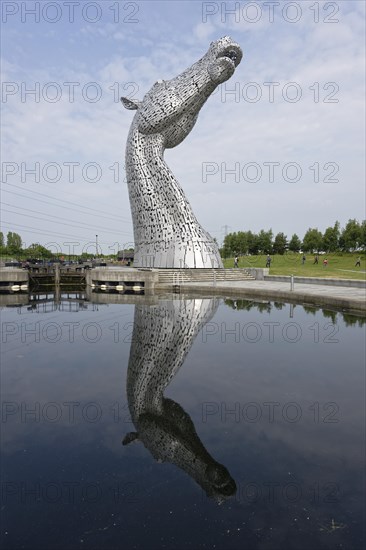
x=166, y=231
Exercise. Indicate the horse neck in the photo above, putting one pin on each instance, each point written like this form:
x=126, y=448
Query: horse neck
x=162, y=337
x=155, y=194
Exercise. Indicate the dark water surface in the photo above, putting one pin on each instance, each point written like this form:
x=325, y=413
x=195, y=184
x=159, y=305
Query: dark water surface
x=186, y=423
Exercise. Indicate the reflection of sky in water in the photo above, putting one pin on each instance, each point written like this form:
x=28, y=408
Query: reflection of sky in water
x=279, y=400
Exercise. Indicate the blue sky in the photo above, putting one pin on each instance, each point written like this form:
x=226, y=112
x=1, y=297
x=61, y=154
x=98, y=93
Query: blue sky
x=287, y=162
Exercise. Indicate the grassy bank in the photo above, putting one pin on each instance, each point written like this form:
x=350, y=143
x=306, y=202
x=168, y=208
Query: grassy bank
x=341, y=266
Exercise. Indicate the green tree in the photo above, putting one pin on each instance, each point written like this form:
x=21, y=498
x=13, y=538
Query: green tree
x=265, y=241
x=3, y=249
x=253, y=242
x=351, y=236
x=295, y=244
x=228, y=248
x=280, y=244
x=313, y=240
x=242, y=242
x=235, y=243
x=363, y=234
x=331, y=238
x=13, y=243
x=36, y=250
x=86, y=256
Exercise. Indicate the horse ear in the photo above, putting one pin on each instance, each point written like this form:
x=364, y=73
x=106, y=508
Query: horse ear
x=131, y=104
x=131, y=436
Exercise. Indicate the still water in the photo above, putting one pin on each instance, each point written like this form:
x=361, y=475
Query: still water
x=182, y=423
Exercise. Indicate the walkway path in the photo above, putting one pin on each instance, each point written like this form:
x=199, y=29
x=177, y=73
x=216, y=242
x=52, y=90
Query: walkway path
x=340, y=297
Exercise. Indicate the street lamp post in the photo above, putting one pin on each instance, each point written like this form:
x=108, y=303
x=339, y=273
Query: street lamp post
x=96, y=245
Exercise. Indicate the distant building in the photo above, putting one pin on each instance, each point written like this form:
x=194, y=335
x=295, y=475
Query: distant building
x=126, y=255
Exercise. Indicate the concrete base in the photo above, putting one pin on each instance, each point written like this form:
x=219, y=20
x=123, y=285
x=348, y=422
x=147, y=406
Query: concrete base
x=259, y=273
x=355, y=283
x=114, y=298
x=112, y=276
x=14, y=299
x=12, y=279
x=340, y=298
x=341, y=294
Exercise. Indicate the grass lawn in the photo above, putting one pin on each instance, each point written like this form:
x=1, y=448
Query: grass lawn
x=340, y=266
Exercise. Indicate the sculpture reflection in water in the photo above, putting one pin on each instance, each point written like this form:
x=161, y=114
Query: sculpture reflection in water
x=162, y=336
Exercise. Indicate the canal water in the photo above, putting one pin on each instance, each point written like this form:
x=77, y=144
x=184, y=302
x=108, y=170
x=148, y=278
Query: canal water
x=182, y=423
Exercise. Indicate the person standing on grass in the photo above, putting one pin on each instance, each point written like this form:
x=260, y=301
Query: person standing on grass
x=303, y=259
x=358, y=263
x=316, y=259
x=236, y=261
x=325, y=262
x=268, y=261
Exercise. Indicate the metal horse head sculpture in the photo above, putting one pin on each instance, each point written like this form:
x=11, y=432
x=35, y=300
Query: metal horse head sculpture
x=166, y=231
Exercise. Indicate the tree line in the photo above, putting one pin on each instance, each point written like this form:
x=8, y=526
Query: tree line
x=334, y=239
x=14, y=247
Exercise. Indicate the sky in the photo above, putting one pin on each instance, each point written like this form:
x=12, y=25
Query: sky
x=281, y=145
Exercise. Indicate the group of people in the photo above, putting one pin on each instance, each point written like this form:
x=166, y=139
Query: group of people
x=316, y=260
x=303, y=260
x=325, y=261
x=268, y=261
